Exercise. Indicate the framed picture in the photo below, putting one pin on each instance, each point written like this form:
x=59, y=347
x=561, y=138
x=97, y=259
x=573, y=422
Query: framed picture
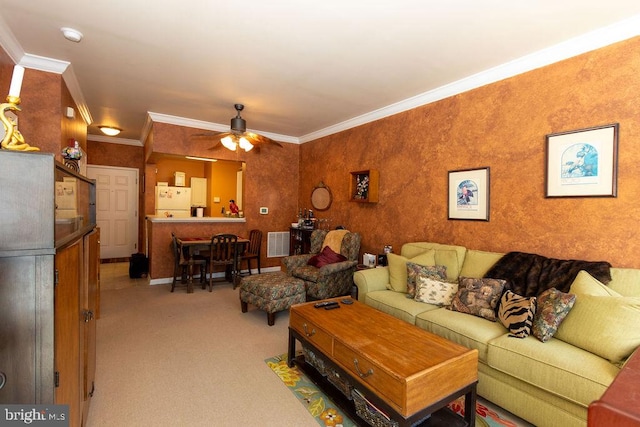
x=583, y=163
x=469, y=194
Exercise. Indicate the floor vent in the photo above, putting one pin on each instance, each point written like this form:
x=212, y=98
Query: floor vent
x=277, y=244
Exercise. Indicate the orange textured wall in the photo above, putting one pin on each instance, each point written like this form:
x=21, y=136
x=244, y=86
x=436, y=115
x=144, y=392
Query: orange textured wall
x=502, y=126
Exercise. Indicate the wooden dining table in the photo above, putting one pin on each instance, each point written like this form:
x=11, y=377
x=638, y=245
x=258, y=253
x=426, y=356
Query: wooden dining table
x=190, y=244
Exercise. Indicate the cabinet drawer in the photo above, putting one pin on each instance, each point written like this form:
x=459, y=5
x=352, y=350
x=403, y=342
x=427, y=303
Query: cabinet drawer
x=312, y=333
x=389, y=387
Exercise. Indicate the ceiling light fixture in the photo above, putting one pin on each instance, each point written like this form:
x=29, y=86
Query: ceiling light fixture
x=204, y=159
x=110, y=130
x=71, y=34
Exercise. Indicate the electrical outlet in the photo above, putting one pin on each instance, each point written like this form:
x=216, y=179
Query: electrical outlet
x=264, y=211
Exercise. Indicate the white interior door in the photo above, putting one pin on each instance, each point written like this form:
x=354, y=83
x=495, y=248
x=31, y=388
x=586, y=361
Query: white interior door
x=116, y=209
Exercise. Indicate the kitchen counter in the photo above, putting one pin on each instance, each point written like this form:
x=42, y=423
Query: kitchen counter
x=206, y=219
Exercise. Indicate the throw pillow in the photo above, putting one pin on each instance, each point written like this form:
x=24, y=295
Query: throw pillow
x=478, y=297
x=327, y=256
x=584, y=283
x=434, y=291
x=603, y=325
x=553, y=307
x=398, y=268
x=437, y=272
x=516, y=314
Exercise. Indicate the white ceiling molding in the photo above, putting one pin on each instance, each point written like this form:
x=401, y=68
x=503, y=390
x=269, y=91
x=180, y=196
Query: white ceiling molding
x=216, y=127
x=570, y=48
x=114, y=140
x=9, y=42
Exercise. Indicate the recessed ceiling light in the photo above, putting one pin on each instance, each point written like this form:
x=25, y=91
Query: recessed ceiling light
x=109, y=130
x=71, y=34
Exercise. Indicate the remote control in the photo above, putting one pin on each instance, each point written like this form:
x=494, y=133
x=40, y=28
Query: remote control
x=331, y=307
x=325, y=304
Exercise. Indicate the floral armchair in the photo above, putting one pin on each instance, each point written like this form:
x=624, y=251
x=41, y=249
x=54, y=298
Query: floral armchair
x=330, y=280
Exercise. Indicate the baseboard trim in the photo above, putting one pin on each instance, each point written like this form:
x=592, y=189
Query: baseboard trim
x=167, y=280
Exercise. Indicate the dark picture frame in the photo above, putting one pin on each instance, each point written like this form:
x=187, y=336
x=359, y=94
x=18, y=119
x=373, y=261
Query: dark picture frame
x=468, y=194
x=583, y=162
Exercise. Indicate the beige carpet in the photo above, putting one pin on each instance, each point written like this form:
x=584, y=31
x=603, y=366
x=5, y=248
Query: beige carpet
x=178, y=359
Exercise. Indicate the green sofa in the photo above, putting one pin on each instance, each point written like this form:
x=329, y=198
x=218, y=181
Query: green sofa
x=547, y=383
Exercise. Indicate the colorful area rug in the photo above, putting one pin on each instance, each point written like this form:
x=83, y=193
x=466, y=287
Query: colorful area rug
x=326, y=413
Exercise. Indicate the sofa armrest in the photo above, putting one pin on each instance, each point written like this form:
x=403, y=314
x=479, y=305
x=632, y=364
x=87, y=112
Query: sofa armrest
x=620, y=403
x=373, y=279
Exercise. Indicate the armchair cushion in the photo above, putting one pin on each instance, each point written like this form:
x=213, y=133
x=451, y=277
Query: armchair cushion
x=327, y=256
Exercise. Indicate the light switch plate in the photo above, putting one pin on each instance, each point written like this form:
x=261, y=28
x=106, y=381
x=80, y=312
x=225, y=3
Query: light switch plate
x=264, y=211
x=216, y=200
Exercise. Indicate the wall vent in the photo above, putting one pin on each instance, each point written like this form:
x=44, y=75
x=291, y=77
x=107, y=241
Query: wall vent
x=277, y=244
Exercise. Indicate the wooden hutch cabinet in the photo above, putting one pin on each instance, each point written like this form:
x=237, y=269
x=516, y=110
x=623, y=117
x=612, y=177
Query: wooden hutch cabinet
x=49, y=284
x=299, y=240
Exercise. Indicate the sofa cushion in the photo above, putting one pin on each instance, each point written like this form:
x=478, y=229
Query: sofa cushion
x=625, y=281
x=451, y=256
x=516, y=314
x=397, y=305
x=398, y=268
x=416, y=271
x=604, y=325
x=479, y=297
x=584, y=283
x=434, y=291
x=554, y=366
x=477, y=263
x=553, y=307
x=470, y=331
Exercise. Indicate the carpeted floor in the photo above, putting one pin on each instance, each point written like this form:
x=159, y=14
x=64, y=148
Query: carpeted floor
x=177, y=359
x=327, y=413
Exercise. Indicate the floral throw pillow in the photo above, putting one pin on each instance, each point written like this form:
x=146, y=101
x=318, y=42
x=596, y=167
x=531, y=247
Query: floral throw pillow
x=436, y=292
x=478, y=297
x=553, y=307
x=437, y=272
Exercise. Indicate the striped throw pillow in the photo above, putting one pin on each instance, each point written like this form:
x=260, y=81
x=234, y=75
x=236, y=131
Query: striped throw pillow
x=516, y=314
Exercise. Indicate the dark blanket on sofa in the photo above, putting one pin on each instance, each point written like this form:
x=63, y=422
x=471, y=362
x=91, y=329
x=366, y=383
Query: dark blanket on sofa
x=530, y=274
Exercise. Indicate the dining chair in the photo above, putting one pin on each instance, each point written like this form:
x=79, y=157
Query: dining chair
x=252, y=250
x=183, y=266
x=223, y=252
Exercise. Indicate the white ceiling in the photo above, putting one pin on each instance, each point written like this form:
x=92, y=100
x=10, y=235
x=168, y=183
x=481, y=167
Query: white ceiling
x=303, y=69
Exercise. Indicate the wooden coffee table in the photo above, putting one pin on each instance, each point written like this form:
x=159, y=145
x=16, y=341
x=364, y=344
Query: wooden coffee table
x=382, y=369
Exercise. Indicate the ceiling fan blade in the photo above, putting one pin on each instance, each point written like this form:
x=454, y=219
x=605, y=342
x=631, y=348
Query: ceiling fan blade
x=206, y=134
x=256, y=139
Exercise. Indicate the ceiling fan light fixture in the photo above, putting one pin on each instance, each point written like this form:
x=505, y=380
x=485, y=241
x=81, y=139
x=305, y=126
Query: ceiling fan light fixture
x=245, y=144
x=229, y=143
x=110, y=130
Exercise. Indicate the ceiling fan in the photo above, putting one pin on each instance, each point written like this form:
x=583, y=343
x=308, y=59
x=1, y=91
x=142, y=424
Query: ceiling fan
x=238, y=137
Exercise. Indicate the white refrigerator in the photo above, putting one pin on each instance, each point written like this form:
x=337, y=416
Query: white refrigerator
x=173, y=201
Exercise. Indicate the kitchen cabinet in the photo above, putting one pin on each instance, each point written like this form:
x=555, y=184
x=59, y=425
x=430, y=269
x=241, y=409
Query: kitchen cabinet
x=199, y=192
x=49, y=284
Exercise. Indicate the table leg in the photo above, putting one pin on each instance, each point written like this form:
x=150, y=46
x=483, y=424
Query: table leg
x=190, y=279
x=470, y=407
x=291, y=350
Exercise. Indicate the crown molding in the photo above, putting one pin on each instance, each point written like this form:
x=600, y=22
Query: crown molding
x=578, y=45
x=216, y=127
x=114, y=140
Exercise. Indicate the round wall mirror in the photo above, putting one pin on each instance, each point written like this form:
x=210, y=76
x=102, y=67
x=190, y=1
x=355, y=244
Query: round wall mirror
x=321, y=197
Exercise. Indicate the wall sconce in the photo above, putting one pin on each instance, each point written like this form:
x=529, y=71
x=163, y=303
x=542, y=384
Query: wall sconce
x=110, y=130
x=13, y=139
